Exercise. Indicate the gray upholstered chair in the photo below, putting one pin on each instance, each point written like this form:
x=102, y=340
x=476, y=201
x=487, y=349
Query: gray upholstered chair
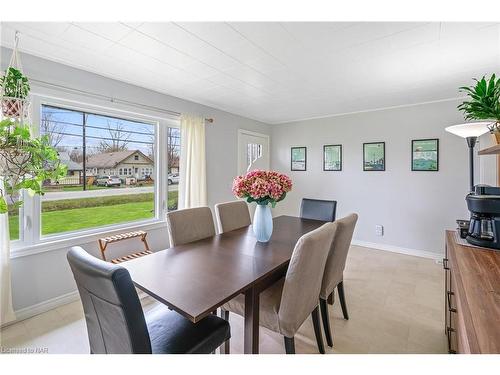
x=286, y=305
x=189, y=225
x=116, y=322
x=317, y=209
x=334, y=271
x=232, y=215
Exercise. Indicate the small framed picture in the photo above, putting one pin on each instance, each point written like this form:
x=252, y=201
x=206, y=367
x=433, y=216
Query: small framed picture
x=374, y=156
x=298, y=158
x=425, y=155
x=332, y=157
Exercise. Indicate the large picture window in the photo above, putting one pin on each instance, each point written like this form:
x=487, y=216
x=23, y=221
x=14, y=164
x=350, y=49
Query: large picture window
x=110, y=176
x=122, y=172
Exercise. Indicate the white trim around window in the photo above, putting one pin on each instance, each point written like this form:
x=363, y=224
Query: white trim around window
x=30, y=239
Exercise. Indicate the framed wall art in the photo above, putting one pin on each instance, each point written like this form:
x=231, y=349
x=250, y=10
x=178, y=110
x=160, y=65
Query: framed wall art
x=332, y=157
x=298, y=158
x=374, y=156
x=425, y=155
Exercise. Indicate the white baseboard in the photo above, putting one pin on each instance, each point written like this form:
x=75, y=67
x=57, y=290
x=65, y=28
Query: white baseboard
x=399, y=250
x=40, y=308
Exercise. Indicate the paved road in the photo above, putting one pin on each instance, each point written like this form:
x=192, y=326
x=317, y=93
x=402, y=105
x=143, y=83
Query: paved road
x=58, y=195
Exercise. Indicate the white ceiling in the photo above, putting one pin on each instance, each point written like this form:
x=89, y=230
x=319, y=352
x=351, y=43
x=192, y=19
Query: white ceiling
x=276, y=72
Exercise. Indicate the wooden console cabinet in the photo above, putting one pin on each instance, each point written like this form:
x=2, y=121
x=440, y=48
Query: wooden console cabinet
x=472, y=297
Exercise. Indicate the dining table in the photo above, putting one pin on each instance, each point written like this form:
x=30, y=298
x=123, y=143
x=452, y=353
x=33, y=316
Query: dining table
x=196, y=278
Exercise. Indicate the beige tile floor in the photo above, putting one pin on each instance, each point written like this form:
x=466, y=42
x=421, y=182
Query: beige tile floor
x=395, y=305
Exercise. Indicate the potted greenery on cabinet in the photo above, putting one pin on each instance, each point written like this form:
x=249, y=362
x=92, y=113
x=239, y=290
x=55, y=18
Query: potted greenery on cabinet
x=484, y=103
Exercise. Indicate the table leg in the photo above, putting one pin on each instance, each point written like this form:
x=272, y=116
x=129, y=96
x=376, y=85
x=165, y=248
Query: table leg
x=251, y=334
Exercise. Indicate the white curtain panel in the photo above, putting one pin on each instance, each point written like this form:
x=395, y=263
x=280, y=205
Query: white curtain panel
x=6, y=311
x=193, y=175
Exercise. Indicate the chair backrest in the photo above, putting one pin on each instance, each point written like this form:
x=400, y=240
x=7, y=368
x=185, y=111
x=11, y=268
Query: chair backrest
x=335, y=264
x=113, y=313
x=318, y=209
x=189, y=225
x=232, y=215
x=303, y=278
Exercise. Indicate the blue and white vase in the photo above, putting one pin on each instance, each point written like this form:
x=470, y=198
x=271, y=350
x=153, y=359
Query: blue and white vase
x=263, y=223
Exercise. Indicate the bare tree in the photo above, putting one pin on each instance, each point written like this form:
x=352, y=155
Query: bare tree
x=117, y=138
x=53, y=129
x=76, y=155
x=173, y=148
x=151, y=137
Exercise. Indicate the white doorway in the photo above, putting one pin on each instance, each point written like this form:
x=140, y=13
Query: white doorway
x=253, y=151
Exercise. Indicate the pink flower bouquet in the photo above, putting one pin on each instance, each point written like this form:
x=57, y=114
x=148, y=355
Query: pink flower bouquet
x=263, y=187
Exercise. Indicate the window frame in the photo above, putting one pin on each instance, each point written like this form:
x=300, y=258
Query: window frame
x=31, y=240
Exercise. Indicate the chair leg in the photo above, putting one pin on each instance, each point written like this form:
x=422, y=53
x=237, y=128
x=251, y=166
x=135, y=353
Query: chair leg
x=331, y=298
x=317, y=330
x=340, y=289
x=225, y=348
x=289, y=345
x=326, y=321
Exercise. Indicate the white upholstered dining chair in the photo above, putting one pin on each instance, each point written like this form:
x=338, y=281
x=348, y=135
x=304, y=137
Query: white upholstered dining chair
x=334, y=271
x=232, y=215
x=285, y=305
x=189, y=225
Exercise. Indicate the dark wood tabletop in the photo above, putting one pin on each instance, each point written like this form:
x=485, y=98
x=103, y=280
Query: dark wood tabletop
x=196, y=278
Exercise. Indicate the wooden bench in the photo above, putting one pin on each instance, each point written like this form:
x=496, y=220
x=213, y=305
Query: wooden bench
x=104, y=242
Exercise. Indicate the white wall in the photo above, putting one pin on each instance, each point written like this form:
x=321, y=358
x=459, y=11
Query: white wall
x=414, y=207
x=44, y=276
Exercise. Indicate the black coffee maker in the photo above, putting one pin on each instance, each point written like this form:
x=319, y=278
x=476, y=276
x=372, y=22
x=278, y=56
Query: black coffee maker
x=484, y=227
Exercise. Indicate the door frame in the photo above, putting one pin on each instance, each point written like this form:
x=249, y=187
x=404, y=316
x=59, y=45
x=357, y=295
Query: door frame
x=242, y=132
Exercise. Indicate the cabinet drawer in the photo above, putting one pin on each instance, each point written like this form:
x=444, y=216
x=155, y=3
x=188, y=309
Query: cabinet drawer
x=446, y=270
x=451, y=315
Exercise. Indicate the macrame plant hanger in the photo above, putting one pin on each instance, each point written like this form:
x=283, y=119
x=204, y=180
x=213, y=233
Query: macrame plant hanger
x=14, y=94
x=15, y=106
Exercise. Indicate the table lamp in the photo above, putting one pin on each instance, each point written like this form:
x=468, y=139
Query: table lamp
x=470, y=132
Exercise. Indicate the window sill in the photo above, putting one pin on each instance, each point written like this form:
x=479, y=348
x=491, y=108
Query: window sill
x=19, y=250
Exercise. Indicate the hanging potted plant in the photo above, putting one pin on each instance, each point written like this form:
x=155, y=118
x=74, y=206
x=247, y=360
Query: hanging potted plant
x=15, y=89
x=25, y=163
x=484, y=103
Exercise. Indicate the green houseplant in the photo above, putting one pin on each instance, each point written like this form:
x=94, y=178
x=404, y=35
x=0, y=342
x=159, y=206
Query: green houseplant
x=25, y=163
x=15, y=89
x=483, y=103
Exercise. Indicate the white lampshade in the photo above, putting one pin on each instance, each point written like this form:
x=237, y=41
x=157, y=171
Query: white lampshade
x=472, y=129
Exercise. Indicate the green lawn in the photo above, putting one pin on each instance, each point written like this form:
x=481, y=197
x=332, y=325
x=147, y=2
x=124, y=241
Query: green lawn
x=14, y=227
x=68, y=204
x=58, y=188
x=95, y=187
x=80, y=218
x=68, y=218
x=80, y=188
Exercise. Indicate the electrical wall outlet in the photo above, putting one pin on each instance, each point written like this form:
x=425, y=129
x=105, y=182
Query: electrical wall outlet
x=379, y=230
